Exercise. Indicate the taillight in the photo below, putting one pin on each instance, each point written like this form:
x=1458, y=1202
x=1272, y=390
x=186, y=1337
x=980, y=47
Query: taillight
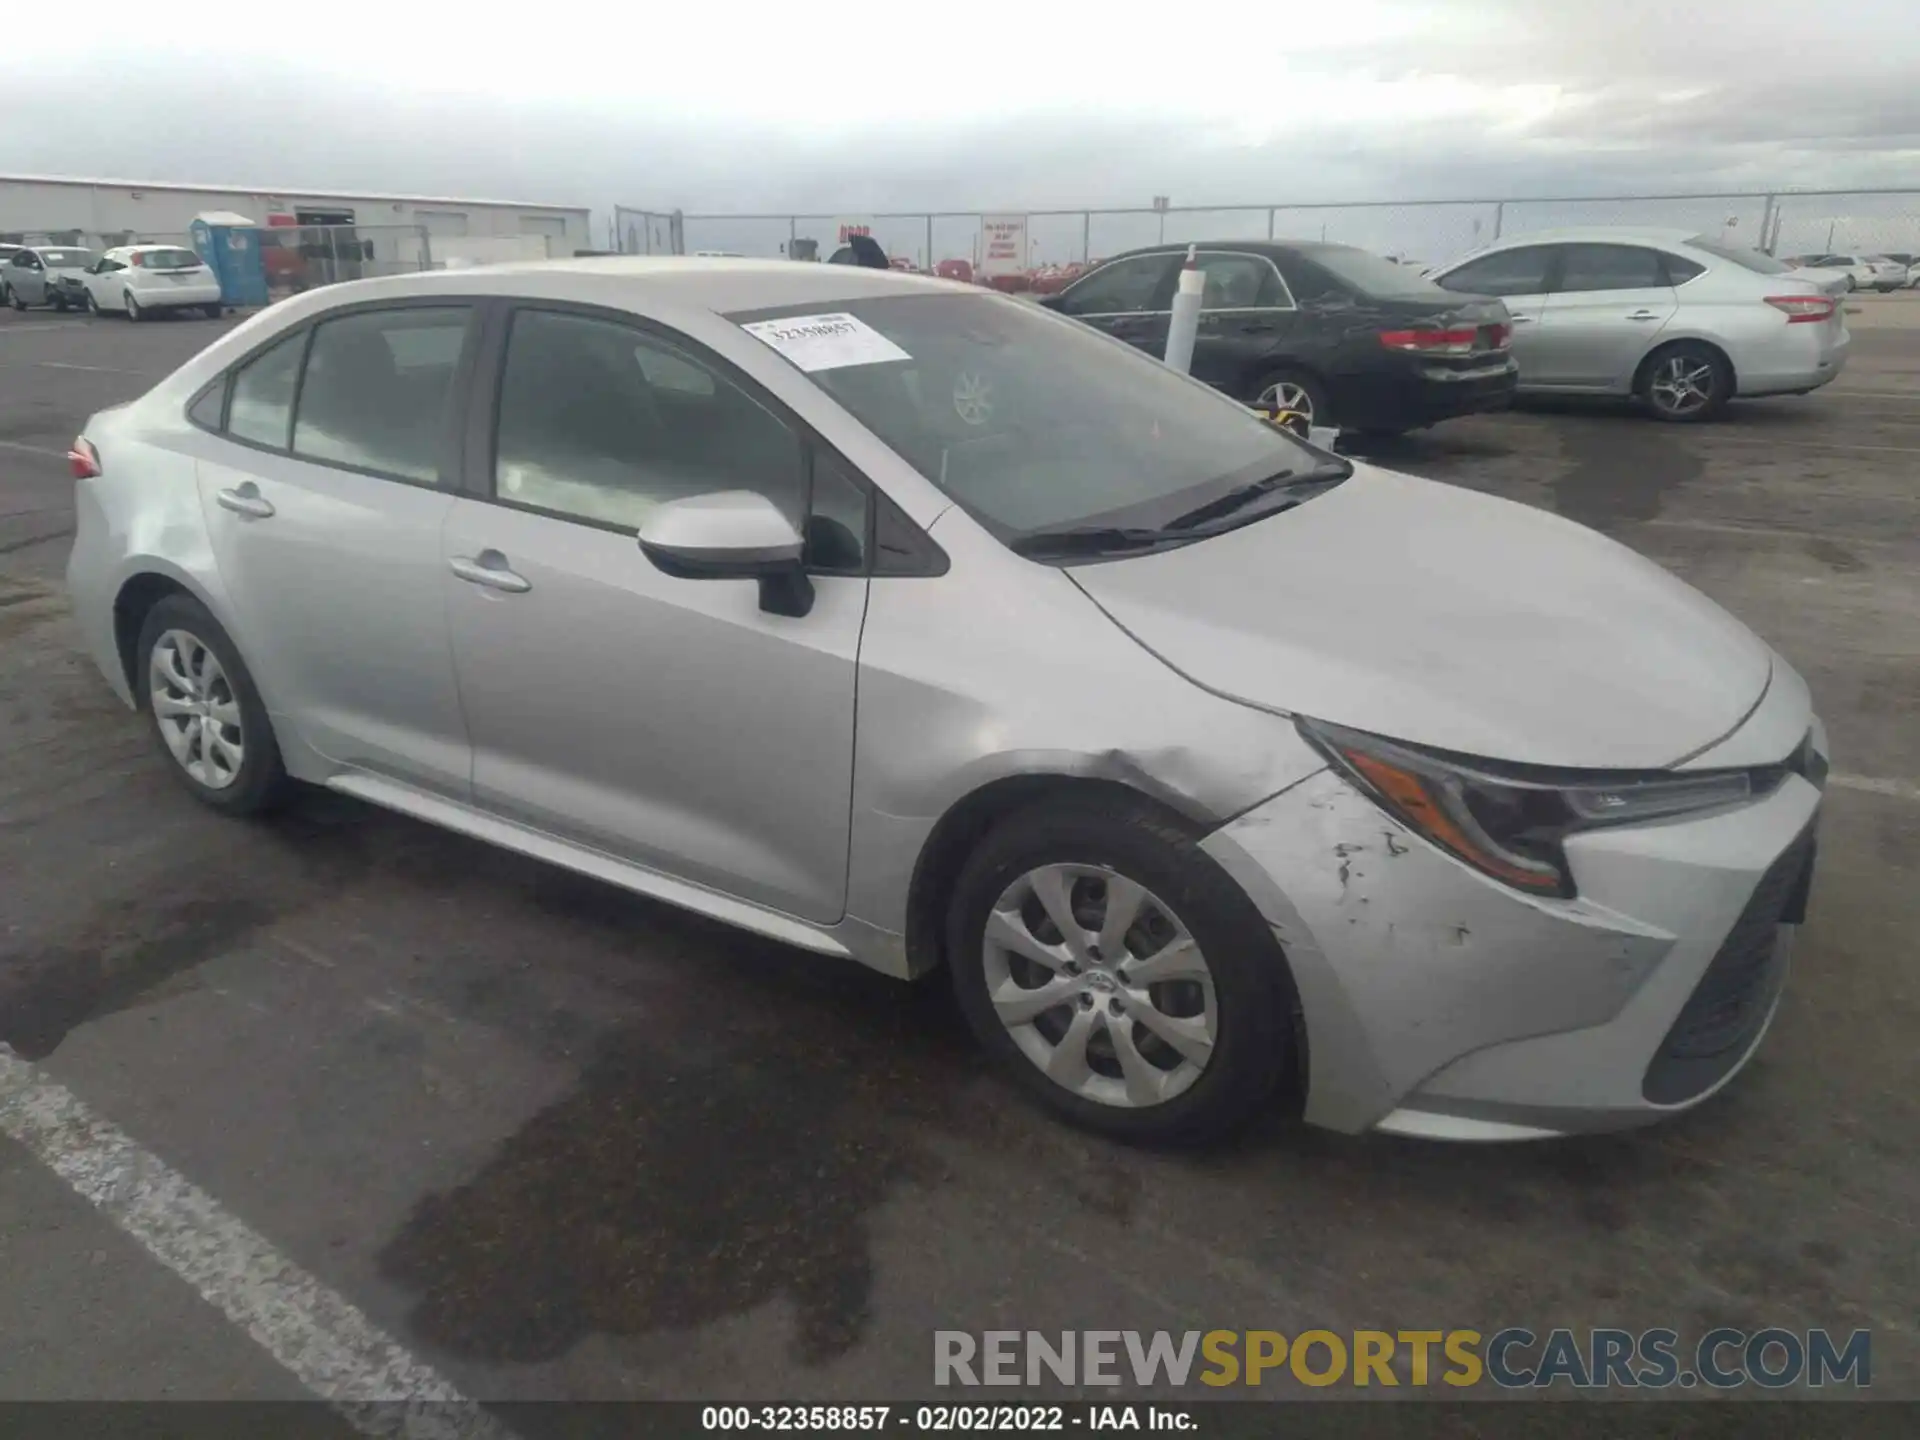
x=1431, y=342
x=1500, y=335
x=137, y=260
x=1803, y=309
x=83, y=459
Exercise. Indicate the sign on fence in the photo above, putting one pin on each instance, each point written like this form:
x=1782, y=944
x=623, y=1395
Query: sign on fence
x=1003, y=244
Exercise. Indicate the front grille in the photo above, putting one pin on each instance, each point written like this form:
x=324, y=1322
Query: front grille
x=1729, y=1005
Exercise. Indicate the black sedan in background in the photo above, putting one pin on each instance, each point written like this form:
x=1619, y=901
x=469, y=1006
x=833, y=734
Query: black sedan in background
x=1341, y=335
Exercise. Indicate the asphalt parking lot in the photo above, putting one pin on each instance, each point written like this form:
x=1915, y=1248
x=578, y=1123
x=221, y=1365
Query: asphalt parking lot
x=559, y=1141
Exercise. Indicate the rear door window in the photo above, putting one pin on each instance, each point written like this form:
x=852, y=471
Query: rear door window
x=376, y=390
x=1240, y=282
x=1609, y=267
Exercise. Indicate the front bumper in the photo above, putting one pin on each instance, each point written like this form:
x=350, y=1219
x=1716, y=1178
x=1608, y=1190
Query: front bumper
x=1438, y=1002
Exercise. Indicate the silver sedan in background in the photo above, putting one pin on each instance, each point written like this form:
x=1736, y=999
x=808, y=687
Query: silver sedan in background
x=915, y=625
x=1682, y=322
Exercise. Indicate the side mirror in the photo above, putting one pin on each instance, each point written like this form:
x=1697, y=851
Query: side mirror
x=731, y=535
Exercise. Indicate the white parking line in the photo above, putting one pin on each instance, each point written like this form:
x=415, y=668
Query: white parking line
x=1721, y=438
x=32, y=449
x=323, y=1340
x=6, y=330
x=93, y=369
x=1873, y=785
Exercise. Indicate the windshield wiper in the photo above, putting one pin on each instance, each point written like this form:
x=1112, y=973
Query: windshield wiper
x=1244, y=495
x=1092, y=540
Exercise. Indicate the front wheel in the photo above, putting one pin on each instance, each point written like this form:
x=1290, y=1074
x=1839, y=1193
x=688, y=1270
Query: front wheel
x=93, y=303
x=1686, y=382
x=1120, y=976
x=213, y=312
x=205, y=710
x=59, y=303
x=13, y=299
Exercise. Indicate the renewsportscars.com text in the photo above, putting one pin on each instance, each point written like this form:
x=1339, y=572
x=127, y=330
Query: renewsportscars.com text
x=1511, y=1358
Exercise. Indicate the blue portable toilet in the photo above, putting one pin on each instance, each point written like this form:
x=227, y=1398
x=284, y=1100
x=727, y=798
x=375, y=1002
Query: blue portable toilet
x=230, y=246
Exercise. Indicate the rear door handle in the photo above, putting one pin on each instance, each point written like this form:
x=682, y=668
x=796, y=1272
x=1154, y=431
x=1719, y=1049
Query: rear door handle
x=489, y=568
x=245, y=499
x=1521, y=319
x=1644, y=315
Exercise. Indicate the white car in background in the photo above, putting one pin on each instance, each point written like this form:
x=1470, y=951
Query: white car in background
x=1681, y=322
x=1864, y=272
x=140, y=281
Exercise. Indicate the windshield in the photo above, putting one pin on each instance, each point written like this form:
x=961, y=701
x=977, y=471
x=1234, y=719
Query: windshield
x=63, y=259
x=1375, y=275
x=1757, y=261
x=1029, y=421
x=169, y=260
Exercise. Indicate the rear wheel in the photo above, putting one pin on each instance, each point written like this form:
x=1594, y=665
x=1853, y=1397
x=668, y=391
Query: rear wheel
x=1294, y=390
x=205, y=711
x=1686, y=382
x=59, y=303
x=14, y=299
x=134, y=312
x=1119, y=974
x=213, y=312
x=93, y=303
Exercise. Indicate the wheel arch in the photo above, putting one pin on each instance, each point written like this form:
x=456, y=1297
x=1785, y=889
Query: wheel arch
x=962, y=826
x=1260, y=369
x=1668, y=342
x=135, y=598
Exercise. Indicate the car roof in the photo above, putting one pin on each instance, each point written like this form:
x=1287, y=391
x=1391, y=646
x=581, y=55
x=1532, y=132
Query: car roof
x=1249, y=247
x=721, y=285
x=1599, y=234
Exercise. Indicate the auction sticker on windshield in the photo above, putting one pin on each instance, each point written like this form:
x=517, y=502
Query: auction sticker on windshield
x=826, y=342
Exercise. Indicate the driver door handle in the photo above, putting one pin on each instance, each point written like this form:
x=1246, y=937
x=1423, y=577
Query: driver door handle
x=489, y=568
x=1521, y=319
x=1644, y=315
x=245, y=500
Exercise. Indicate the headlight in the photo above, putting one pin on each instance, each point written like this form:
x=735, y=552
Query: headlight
x=1510, y=822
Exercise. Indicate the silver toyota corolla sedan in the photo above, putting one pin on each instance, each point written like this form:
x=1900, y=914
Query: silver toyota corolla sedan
x=1683, y=322
x=910, y=623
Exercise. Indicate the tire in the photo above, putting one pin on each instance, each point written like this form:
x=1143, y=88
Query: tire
x=213, y=312
x=59, y=303
x=1303, y=392
x=93, y=304
x=1702, y=370
x=1090, y=843
x=134, y=312
x=14, y=299
x=1852, y=284
x=177, y=629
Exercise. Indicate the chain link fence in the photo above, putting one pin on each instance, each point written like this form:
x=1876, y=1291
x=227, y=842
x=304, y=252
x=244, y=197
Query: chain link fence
x=1429, y=232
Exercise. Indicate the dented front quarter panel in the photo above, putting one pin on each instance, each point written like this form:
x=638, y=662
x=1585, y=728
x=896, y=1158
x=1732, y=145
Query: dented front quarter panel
x=1017, y=673
x=1404, y=958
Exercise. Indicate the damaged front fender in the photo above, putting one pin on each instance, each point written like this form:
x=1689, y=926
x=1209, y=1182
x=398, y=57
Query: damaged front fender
x=1404, y=958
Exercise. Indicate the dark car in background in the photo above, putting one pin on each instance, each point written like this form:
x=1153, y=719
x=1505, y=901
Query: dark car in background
x=1335, y=333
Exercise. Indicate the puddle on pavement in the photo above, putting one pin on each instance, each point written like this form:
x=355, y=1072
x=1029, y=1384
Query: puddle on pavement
x=681, y=1184
x=1624, y=472
x=132, y=950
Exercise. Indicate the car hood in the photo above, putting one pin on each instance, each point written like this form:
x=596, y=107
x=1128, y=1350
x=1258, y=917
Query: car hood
x=1447, y=618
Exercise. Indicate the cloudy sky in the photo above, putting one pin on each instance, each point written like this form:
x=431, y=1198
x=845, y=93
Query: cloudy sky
x=751, y=105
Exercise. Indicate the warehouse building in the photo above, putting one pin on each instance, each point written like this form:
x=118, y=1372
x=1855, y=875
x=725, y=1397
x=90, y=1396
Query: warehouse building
x=111, y=212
